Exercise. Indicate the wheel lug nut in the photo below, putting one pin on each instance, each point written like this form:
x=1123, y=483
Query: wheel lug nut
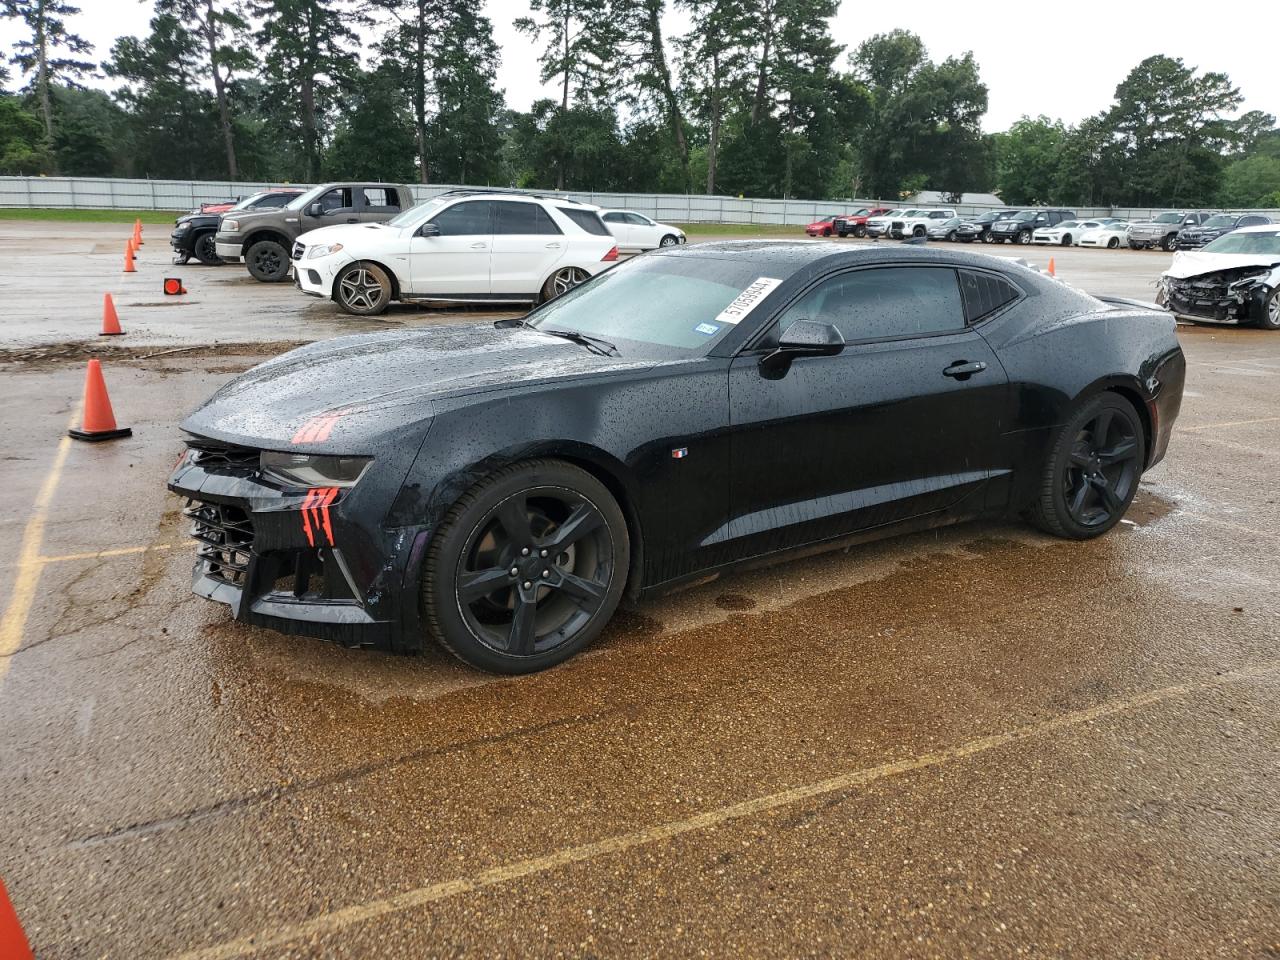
x=515, y=571
x=528, y=584
x=546, y=573
x=542, y=553
x=524, y=552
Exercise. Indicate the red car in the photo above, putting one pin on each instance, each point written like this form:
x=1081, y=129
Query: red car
x=823, y=226
x=856, y=223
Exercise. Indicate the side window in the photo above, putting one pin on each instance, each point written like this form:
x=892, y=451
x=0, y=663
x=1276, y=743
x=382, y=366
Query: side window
x=522, y=218
x=637, y=220
x=984, y=294
x=884, y=302
x=338, y=198
x=615, y=218
x=1253, y=221
x=275, y=200
x=380, y=199
x=468, y=218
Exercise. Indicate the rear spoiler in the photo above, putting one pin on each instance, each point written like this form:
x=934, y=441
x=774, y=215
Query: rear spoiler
x=1129, y=302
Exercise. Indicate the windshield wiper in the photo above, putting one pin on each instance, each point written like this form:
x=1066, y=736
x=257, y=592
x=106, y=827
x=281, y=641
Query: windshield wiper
x=594, y=344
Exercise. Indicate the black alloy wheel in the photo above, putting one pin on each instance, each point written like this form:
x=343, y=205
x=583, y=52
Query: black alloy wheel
x=206, y=250
x=268, y=261
x=527, y=568
x=1092, y=472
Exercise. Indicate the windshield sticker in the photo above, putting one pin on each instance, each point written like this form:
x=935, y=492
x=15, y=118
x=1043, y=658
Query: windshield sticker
x=747, y=300
x=707, y=329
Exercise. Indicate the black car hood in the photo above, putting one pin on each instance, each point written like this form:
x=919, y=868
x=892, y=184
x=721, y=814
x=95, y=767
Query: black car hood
x=340, y=393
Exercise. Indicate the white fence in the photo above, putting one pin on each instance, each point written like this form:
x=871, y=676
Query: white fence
x=91, y=193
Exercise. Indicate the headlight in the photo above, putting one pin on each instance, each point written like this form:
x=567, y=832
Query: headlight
x=308, y=470
x=322, y=250
x=182, y=227
x=229, y=226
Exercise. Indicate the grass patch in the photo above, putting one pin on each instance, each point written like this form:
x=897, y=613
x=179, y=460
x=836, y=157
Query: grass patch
x=87, y=216
x=742, y=229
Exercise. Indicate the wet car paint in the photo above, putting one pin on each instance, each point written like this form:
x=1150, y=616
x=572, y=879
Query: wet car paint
x=437, y=410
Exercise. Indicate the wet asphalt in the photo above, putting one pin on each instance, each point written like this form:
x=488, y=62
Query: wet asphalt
x=979, y=741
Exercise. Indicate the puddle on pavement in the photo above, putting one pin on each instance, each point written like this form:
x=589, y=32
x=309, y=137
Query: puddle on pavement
x=1148, y=507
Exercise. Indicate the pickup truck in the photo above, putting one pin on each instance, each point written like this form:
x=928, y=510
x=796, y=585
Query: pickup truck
x=1162, y=231
x=193, y=233
x=856, y=223
x=918, y=225
x=264, y=238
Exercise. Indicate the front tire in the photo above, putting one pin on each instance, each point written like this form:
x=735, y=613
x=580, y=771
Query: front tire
x=1270, y=319
x=668, y=241
x=860, y=231
x=951, y=236
x=1066, y=239
x=1113, y=243
x=1169, y=243
x=1024, y=236
x=363, y=290
x=206, y=251
x=526, y=568
x=268, y=261
x=1093, y=469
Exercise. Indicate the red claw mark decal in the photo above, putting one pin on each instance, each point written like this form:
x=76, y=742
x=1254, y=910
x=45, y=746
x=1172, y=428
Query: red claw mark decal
x=316, y=429
x=315, y=513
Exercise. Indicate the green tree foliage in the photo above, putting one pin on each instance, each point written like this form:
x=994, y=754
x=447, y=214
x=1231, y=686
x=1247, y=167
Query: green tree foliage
x=374, y=138
x=924, y=122
x=49, y=53
x=22, y=148
x=308, y=60
x=1028, y=155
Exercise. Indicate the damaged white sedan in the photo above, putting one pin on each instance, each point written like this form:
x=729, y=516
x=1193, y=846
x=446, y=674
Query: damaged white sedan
x=1235, y=279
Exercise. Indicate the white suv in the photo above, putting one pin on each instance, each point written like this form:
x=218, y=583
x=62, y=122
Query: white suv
x=916, y=223
x=462, y=246
x=636, y=233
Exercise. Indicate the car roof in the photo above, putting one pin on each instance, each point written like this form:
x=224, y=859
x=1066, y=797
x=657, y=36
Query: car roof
x=801, y=253
x=530, y=197
x=1260, y=227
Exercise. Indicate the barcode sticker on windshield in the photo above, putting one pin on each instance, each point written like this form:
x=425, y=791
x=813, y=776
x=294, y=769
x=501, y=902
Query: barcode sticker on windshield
x=747, y=300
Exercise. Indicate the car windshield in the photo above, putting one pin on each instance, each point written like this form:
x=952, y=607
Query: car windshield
x=244, y=203
x=672, y=304
x=1266, y=243
x=863, y=212
x=415, y=214
x=1069, y=223
x=1215, y=223
x=300, y=201
x=1025, y=215
x=1168, y=218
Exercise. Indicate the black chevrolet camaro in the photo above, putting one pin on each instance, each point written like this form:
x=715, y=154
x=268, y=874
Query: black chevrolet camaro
x=499, y=488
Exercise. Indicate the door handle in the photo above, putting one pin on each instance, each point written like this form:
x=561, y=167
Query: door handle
x=963, y=370
x=479, y=246
x=353, y=219
x=553, y=246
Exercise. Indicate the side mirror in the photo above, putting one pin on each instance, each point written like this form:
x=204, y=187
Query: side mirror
x=429, y=230
x=811, y=338
x=315, y=210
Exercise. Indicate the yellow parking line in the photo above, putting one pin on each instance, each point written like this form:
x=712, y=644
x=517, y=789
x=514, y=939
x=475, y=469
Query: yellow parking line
x=100, y=554
x=330, y=923
x=1228, y=423
x=24, y=584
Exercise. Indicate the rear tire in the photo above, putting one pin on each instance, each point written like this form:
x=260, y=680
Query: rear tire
x=1113, y=243
x=562, y=281
x=268, y=261
x=1092, y=471
x=563, y=534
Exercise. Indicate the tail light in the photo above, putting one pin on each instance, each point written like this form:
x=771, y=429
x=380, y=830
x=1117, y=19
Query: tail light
x=611, y=256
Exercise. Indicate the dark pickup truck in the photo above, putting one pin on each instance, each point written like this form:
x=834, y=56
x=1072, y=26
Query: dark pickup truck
x=193, y=232
x=263, y=239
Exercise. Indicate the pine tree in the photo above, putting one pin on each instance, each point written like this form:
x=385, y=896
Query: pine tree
x=39, y=54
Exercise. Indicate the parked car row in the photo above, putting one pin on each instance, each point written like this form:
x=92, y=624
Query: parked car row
x=366, y=244
x=1174, y=230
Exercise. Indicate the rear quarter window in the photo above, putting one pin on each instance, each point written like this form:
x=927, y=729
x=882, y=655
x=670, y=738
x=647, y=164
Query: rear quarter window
x=588, y=220
x=984, y=294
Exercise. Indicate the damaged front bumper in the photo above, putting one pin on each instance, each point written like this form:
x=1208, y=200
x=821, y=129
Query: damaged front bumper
x=297, y=561
x=1226, y=296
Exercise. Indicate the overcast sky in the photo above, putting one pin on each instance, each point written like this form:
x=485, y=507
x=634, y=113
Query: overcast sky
x=1062, y=60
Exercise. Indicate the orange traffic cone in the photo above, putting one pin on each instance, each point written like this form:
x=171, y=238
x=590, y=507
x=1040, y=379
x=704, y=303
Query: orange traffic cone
x=110, y=321
x=13, y=942
x=1051, y=273
x=137, y=231
x=173, y=287
x=128, y=259
x=99, y=422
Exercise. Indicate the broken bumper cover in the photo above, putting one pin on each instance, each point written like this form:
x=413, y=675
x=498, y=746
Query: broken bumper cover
x=1225, y=298
x=297, y=561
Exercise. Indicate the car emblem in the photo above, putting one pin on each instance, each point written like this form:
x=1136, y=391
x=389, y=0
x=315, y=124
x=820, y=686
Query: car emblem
x=679, y=453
